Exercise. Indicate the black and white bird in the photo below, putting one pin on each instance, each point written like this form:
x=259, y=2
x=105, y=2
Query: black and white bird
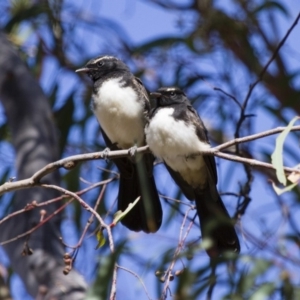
x=121, y=105
x=176, y=134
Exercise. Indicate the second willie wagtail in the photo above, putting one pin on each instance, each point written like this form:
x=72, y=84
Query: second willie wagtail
x=176, y=134
x=121, y=104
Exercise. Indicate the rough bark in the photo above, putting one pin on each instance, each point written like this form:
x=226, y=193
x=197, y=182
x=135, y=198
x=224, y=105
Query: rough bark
x=33, y=135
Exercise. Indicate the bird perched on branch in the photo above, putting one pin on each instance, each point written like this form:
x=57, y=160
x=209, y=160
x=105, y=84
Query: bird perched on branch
x=176, y=134
x=121, y=104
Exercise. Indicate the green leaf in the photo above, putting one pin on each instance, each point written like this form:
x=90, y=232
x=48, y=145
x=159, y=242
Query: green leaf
x=4, y=175
x=248, y=278
x=24, y=10
x=265, y=290
x=277, y=157
x=103, y=282
x=280, y=191
x=294, y=177
x=64, y=120
x=4, y=132
x=119, y=215
x=100, y=238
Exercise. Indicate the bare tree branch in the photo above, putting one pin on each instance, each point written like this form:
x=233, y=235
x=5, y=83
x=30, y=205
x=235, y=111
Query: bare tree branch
x=253, y=137
x=181, y=243
x=71, y=161
x=87, y=207
x=274, y=55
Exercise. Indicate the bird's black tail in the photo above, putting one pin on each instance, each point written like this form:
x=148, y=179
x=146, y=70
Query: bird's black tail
x=215, y=222
x=136, y=179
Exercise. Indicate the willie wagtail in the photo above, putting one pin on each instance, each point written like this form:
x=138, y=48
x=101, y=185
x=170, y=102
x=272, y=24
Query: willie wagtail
x=121, y=105
x=176, y=134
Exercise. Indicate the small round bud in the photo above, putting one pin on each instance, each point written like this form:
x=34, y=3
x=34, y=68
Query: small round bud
x=66, y=271
x=67, y=255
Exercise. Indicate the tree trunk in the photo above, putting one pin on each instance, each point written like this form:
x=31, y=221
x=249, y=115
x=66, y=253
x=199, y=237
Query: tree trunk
x=33, y=134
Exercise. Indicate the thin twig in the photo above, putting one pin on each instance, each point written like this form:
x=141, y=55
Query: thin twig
x=35, y=178
x=177, y=252
x=138, y=277
x=212, y=282
x=89, y=222
x=38, y=225
x=113, y=291
x=85, y=206
x=222, y=91
x=262, y=73
x=35, y=204
x=31, y=206
x=260, y=77
x=251, y=161
x=254, y=137
x=67, y=163
x=176, y=200
x=228, y=95
x=245, y=193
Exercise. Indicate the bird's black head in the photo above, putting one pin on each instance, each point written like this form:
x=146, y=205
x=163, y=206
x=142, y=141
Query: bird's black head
x=103, y=65
x=169, y=95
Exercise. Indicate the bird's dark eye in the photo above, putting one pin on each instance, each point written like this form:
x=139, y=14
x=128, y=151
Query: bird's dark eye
x=100, y=63
x=172, y=93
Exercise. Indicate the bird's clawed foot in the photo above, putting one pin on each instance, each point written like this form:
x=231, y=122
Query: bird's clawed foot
x=132, y=151
x=105, y=153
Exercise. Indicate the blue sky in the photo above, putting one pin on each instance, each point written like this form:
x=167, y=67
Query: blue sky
x=142, y=22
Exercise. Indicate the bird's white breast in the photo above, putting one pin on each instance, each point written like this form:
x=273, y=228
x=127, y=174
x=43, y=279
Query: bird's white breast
x=119, y=113
x=173, y=141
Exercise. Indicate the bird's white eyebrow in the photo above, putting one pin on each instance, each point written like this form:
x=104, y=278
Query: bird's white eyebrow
x=171, y=90
x=103, y=57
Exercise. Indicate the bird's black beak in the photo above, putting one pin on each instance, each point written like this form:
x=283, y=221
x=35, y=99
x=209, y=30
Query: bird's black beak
x=155, y=95
x=82, y=70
